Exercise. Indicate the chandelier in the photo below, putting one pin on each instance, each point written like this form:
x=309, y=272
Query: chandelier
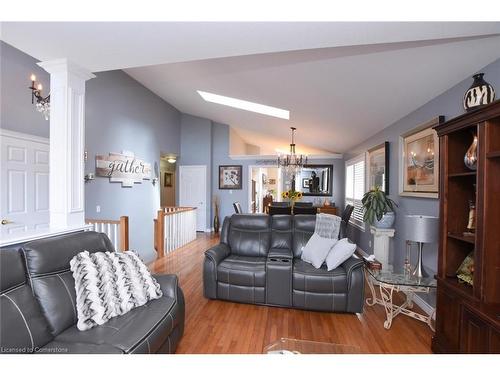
x=292, y=162
x=42, y=104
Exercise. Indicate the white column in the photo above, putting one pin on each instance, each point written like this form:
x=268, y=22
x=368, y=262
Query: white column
x=381, y=245
x=67, y=141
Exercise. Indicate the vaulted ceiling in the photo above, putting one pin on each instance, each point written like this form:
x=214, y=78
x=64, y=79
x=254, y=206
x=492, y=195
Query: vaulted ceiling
x=341, y=82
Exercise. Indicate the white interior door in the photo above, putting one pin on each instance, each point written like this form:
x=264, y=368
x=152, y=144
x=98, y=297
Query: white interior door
x=193, y=192
x=24, y=182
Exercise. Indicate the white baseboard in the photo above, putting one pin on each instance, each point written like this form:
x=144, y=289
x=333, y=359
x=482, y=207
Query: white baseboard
x=419, y=301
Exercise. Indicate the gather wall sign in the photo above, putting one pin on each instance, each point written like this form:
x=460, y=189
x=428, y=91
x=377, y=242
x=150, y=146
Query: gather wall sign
x=122, y=167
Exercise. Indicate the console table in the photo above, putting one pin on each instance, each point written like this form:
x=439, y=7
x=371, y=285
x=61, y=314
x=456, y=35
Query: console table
x=389, y=282
x=332, y=210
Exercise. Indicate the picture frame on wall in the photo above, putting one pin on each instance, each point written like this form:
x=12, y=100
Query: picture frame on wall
x=419, y=161
x=264, y=179
x=230, y=177
x=377, y=170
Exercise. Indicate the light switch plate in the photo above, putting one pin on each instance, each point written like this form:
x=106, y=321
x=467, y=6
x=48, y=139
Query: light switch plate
x=97, y=208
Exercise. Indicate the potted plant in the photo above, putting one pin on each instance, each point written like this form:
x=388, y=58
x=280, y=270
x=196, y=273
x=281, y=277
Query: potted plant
x=378, y=208
x=291, y=196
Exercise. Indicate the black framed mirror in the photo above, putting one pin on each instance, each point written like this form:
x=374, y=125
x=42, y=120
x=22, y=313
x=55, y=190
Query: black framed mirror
x=315, y=180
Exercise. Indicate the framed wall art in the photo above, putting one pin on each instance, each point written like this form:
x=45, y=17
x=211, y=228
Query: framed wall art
x=230, y=177
x=377, y=171
x=168, y=179
x=419, y=161
x=122, y=167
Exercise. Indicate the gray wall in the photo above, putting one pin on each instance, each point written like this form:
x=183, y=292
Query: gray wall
x=220, y=156
x=448, y=104
x=16, y=111
x=196, y=149
x=121, y=114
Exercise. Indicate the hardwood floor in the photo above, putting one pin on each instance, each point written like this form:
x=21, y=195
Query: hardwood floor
x=226, y=327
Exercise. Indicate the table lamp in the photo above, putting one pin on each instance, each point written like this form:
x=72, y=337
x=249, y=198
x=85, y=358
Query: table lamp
x=421, y=229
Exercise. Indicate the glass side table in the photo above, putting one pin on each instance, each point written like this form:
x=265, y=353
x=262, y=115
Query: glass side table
x=388, y=283
x=296, y=346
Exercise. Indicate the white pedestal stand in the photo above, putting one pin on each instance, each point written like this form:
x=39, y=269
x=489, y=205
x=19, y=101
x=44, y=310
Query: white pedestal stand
x=381, y=245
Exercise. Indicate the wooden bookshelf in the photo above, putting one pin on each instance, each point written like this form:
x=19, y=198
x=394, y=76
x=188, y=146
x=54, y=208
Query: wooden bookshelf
x=493, y=154
x=463, y=174
x=462, y=237
x=464, y=319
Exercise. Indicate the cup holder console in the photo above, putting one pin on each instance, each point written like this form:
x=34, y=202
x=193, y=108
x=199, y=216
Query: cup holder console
x=279, y=281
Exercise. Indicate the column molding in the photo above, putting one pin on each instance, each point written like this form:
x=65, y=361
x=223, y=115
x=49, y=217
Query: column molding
x=67, y=142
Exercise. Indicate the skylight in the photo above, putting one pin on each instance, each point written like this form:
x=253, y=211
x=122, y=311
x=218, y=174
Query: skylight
x=245, y=105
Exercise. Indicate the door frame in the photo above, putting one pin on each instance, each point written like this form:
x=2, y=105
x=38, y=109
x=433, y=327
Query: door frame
x=249, y=182
x=181, y=197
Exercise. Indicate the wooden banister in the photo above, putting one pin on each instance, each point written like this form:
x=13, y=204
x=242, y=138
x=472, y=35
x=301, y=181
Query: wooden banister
x=110, y=228
x=173, y=227
x=124, y=244
x=160, y=233
x=155, y=234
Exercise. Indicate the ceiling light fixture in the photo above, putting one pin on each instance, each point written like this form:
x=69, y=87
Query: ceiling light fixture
x=171, y=160
x=245, y=105
x=292, y=162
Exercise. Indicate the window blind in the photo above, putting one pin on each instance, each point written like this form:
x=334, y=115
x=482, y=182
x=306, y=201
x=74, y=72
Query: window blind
x=355, y=188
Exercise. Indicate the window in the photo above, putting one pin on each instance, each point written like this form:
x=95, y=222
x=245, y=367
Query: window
x=355, y=188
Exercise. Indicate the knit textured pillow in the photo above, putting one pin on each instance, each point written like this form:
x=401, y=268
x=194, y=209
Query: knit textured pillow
x=110, y=284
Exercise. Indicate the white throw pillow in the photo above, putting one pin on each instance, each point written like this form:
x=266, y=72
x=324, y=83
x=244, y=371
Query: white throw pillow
x=339, y=253
x=316, y=249
x=110, y=284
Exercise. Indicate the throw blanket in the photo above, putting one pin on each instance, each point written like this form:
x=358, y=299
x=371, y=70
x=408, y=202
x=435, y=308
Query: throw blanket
x=327, y=226
x=110, y=284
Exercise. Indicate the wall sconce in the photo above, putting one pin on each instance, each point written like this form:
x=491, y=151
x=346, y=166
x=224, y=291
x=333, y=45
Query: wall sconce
x=42, y=104
x=89, y=177
x=154, y=180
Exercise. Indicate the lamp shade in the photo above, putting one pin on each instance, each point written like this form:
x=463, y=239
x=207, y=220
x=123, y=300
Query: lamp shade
x=420, y=228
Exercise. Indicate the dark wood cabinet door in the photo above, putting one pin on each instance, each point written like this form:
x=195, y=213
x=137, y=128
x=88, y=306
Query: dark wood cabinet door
x=474, y=334
x=448, y=320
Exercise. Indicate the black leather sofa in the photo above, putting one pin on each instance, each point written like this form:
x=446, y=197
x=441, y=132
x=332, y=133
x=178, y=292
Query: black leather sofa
x=258, y=261
x=37, y=304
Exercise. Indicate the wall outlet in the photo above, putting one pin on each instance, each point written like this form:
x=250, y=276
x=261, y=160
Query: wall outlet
x=370, y=244
x=97, y=208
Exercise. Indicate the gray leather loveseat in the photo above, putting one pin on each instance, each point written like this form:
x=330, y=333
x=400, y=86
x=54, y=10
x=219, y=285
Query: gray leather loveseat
x=37, y=304
x=258, y=261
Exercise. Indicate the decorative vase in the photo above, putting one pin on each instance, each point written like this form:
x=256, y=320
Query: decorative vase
x=479, y=94
x=386, y=222
x=470, y=158
x=216, y=223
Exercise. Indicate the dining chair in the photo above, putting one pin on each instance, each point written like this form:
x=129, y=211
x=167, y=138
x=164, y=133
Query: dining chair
x=237, y=207
x=280, y=210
